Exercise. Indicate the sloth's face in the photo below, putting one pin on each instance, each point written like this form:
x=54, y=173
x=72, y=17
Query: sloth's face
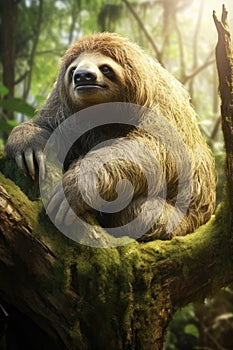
x=93, y=78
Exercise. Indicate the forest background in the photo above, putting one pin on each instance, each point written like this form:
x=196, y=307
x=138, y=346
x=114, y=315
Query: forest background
x=180, y=34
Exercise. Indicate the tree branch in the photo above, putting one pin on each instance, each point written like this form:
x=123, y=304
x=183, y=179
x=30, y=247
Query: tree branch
x=147, y=34
x=206, y=64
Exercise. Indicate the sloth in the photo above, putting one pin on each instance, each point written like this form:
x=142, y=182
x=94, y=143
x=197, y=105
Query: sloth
x=105, y=68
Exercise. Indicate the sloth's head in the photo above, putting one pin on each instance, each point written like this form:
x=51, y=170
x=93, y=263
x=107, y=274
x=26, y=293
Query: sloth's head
x=94, y=78
x=105, y=67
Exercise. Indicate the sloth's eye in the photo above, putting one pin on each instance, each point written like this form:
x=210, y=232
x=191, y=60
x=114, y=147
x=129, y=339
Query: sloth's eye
x=106, y=70
x=71, y=72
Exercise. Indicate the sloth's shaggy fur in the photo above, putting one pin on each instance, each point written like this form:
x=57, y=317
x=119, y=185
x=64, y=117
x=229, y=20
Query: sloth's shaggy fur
x=142, y=81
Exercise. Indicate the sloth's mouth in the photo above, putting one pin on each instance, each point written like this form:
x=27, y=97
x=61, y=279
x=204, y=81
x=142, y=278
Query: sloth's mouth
x=88, y=87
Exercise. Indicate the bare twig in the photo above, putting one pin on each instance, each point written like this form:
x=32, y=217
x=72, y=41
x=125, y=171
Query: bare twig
x=207, y=63
x=215, y=129
x=147, y=34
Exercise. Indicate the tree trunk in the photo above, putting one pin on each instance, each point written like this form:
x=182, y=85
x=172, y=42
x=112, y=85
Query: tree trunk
x=109, y=298
x=224, y=58
x=8, y=16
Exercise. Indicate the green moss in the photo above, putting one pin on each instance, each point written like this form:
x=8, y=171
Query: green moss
x=28, y=208
x=10, y=170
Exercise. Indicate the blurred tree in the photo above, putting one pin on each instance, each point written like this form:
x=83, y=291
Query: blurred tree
x=7, y=47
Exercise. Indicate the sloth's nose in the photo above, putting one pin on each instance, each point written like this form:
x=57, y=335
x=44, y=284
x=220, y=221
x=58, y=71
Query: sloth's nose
x=84, y=76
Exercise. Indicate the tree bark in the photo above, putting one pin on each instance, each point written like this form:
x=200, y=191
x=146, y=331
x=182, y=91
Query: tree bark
x=111, y=298
x=224, y=58
x=7, y=47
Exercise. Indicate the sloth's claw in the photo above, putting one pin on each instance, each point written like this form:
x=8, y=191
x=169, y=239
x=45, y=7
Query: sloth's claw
x=20, y=163
x=26, y=162
x=28, y=154
x=40, y=158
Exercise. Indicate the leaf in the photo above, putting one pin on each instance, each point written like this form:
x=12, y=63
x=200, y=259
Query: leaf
x=18, y=105
x=7, y=126
x=3, y=90
x=191, y=329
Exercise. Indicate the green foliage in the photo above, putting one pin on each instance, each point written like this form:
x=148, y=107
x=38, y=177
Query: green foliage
x=7, y=126
x=12, y=104
x=183, y=333
x=3, y=90
x=15, y=104
x=192, y=330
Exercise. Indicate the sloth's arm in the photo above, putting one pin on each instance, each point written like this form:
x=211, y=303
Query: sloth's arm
x=27, y=141
x=105, y=174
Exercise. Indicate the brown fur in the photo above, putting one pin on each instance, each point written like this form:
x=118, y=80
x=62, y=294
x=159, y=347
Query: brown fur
x=142, y=81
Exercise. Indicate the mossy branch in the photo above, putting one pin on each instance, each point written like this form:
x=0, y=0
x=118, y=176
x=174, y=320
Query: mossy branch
x=130, y=292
